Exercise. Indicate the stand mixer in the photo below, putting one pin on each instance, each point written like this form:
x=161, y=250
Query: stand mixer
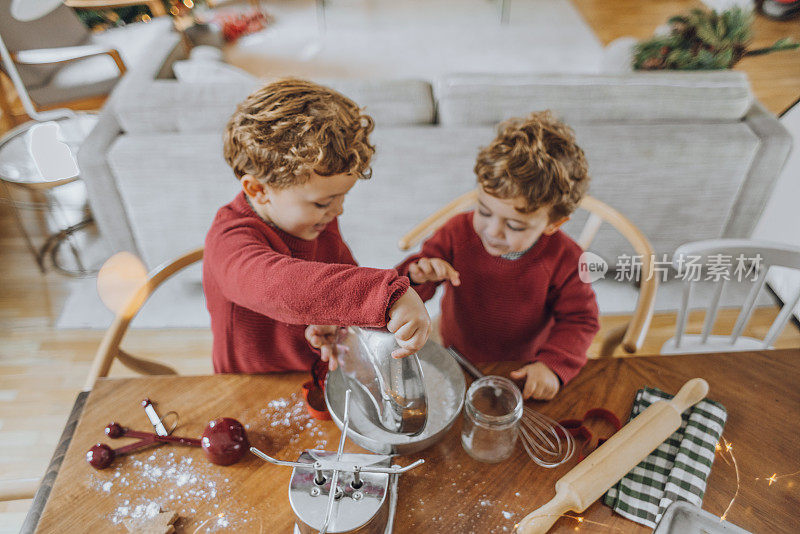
x=343, y=493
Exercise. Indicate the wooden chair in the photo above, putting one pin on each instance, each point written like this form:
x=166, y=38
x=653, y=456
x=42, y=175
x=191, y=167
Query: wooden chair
x=722, y=255
x=630, y=335
x=156, y=7
x=110, y=345
x=40, y=48
x=18, y=489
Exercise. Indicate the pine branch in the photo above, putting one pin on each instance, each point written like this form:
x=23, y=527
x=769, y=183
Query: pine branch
x=779, y=45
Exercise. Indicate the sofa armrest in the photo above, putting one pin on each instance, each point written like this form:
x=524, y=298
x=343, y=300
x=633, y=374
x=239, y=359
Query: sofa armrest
x=159, y=54
x=105, y=200
x=65, y=54
x=775, y=144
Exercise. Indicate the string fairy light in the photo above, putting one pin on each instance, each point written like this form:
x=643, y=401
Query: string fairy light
x=578, y=518
x=201, y=525
x=775, y=477
x=729, y=450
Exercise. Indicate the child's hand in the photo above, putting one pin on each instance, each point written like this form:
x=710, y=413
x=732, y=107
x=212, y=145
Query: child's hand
x=432, y=270
x=326, y=338
x=410, y=323
x=540, y=382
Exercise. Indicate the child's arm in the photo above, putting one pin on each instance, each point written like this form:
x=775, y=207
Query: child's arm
x=253, y=275
x=432, y=265
x=408, y=321
x=574, y=309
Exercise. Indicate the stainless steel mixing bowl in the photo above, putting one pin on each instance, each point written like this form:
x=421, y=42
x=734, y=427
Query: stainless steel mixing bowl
x=445, y=386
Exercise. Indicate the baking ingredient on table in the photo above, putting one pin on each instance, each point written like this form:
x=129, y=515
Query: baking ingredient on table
x=284, y=427
x=587, y=481
x=183, y=484
x=160, y=523
x=485, y=508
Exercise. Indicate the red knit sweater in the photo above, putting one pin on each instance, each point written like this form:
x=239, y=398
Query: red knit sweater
x=263, y=286
x=535, y=308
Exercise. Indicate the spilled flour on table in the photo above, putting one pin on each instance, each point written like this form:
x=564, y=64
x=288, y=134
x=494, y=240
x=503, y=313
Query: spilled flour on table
x=182, y=485
x=288, y=426
x=181, y=479
x=486, y=516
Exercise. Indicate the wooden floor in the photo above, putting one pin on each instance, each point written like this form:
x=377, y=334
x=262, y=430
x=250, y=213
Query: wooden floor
x=42, y=369
x=775, y=78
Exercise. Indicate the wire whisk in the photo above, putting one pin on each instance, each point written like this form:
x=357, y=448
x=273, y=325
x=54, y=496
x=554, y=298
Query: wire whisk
x=547, y=442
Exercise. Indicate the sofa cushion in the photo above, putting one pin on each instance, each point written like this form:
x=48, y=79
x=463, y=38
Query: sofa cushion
x=189, y=187
x=170, y=109
x=415, y=173
x=675, y=182
x=475, y=99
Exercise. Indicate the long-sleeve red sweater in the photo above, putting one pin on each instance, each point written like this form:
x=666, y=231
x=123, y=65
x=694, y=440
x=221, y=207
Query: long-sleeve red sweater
x=263, y=286
x=535, y=308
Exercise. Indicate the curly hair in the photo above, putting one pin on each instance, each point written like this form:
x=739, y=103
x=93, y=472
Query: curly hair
x=535, y=158
x=289, y=128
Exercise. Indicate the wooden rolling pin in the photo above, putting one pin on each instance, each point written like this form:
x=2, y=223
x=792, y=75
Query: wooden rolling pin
x=588, y=480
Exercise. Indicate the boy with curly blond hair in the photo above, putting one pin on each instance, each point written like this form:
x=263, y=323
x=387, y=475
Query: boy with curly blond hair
x=277, y=274
x=513, y=290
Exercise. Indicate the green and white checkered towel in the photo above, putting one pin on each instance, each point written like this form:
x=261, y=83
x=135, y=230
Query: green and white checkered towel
x=677, y=470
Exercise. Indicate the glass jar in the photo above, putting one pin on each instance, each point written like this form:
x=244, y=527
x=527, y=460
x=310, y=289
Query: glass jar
x=492, y=411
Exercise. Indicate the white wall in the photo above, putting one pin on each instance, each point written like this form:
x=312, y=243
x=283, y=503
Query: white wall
x=781, y=218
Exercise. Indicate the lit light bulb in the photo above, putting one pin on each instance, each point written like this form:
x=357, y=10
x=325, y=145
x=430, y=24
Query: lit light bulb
x=119, y=279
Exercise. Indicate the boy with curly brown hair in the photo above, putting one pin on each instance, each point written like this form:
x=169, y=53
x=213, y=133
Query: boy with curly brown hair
x=274, y=260
x=513, y=290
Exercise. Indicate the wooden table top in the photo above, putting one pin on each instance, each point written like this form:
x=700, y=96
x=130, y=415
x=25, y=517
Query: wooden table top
x=449, y=493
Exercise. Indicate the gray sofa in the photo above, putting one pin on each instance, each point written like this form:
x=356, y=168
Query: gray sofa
x=685, y=156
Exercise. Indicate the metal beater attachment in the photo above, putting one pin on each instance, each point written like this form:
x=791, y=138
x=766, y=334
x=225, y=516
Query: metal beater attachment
x=362, y=487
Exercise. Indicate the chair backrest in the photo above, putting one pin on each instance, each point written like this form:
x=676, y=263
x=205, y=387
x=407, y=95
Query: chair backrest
x=60, y=27
x=109, y=346
x=631, y=337
x=722, y=261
